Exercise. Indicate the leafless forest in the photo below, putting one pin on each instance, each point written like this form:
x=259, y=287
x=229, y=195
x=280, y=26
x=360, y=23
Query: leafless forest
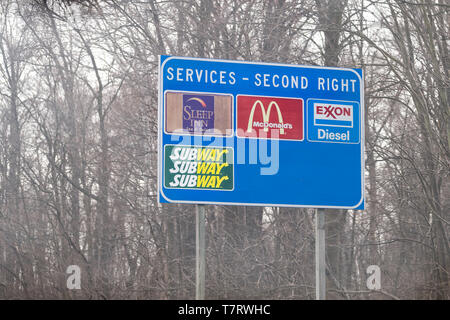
x=78, y=150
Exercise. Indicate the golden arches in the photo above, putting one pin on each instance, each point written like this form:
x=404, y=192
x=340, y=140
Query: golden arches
x=265, y=115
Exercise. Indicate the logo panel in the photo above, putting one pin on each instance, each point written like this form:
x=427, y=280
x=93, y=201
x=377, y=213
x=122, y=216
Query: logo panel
x=192, y=167
x=198, y=114
x=269, y=117
x=333, y=121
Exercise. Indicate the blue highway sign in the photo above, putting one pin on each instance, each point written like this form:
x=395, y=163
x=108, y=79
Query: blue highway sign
x=245, y=133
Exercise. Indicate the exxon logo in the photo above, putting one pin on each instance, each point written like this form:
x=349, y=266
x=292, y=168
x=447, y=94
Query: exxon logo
x=333, y=115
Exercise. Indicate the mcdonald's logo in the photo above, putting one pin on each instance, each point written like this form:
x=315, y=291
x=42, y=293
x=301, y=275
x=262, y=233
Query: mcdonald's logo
x=269, y=117
x=266, y=116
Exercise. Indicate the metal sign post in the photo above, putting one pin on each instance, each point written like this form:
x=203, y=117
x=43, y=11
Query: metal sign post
x=200, y=255
x=320, y=255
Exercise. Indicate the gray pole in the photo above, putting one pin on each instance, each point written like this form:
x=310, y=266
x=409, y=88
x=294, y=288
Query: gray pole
x=320, y=255
x=200, y=258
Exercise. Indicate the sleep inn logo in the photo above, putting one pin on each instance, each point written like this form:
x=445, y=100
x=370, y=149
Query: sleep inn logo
x=198, y=113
